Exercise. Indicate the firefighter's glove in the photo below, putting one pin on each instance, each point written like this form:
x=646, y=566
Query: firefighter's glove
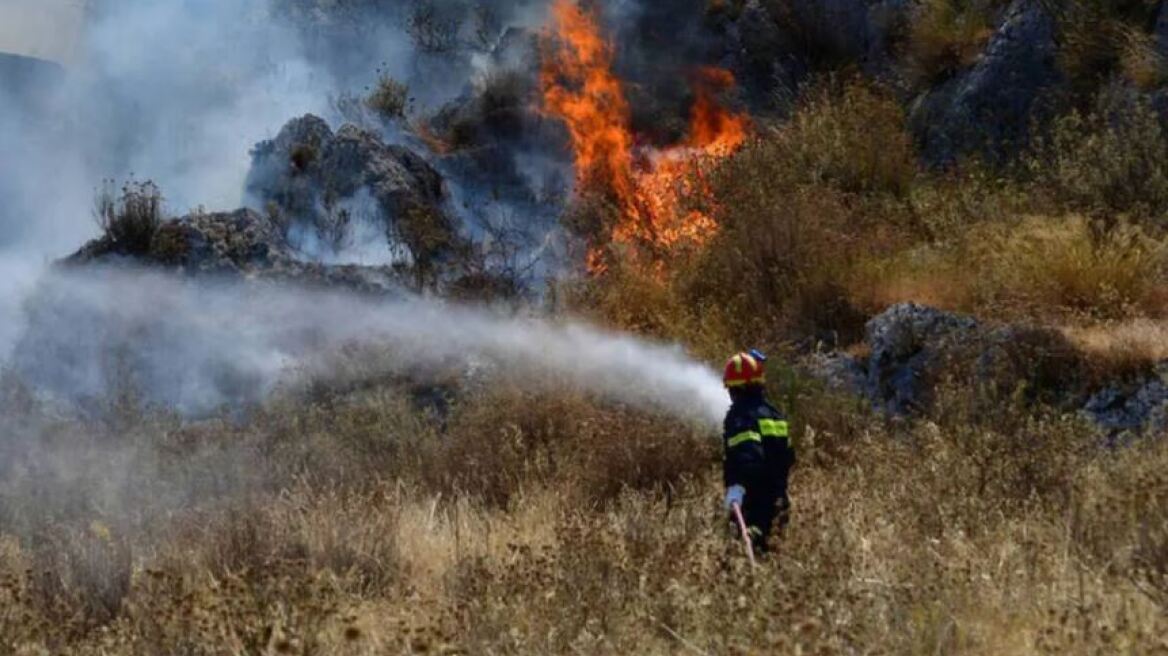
x=734, y=496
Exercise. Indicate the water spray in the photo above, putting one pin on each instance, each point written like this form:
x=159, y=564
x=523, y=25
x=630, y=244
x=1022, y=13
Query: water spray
x=196, y=345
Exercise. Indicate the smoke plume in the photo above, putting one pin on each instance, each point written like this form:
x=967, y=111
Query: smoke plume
x=176, y=92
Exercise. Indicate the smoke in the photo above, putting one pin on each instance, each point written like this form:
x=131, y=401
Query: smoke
x=195, y=345
x=176, y=92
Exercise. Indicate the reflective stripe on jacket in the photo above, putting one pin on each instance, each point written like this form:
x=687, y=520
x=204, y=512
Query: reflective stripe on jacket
x=756, y=438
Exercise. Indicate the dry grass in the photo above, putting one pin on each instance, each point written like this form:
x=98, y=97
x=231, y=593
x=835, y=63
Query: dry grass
x=534, y=523
x=948, y=537
x=1063, y=270
x=1125, y=346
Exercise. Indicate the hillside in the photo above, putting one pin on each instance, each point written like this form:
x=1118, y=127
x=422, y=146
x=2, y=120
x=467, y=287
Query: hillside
x=446, y=382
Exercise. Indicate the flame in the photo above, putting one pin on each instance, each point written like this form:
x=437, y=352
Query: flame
x=647, y=184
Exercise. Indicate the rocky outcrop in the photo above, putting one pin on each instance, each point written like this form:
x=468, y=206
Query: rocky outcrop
x=908, y=346
x=240, y=243
x=1161, y=30
x=859, y=30
x=991, y=106
x=913, y=350
x=1126, y=409
x=313, y=177
x=774, y=47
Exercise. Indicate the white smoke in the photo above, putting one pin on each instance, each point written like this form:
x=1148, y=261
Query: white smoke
x=195, y=345
x=177, y=91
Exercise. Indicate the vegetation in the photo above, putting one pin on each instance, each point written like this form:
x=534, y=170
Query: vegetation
x=947, y=36
x=511, y=522
x=389, y=98
x=829, y=219
x=130, y=220
x=549, y=523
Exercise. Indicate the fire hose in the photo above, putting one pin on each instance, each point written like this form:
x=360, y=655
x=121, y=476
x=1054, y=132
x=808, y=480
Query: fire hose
x=737, y=508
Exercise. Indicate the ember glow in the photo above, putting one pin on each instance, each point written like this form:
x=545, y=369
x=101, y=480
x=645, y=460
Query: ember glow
x=647, y=184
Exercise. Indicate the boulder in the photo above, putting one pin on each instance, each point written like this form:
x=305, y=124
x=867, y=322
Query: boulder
x=908, y=346
x=311, y=176
x=914, y=348
x=1127, y=409
x=990, y=107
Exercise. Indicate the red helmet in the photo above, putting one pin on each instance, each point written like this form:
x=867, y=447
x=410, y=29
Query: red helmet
x=744, y=369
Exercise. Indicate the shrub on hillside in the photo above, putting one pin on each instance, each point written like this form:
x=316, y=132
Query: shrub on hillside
x=1096, y=38
x=389, y=98
x=129, y=221
x=1046, y=269
x=855, y=139
x=946, y=36
x=796, y=209
x=1111, y=160
x=1070, y=266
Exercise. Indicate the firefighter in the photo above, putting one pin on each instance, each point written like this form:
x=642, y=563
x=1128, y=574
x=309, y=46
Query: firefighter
x=758, y=456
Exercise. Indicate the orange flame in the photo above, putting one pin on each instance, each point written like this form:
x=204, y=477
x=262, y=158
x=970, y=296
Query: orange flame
x=647, y=184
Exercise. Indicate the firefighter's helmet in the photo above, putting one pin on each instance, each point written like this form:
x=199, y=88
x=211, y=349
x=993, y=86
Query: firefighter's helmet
x=745, y=369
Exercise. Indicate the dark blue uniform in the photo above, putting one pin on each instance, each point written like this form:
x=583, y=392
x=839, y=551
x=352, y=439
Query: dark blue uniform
x=759, y=457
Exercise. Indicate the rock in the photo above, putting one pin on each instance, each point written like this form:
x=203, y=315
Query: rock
x=908, y=344
x=854, y=29
x=312, y=175
x=243, y=243
x=839, y=371
x=991, y=106
x=1125, y=410
x=774, y=49
x=913, y=348
x=1161, y=30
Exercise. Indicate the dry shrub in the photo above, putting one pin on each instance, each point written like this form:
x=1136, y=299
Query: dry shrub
x=778, y=263
x=1066, y=269
x=508, y=440
x=854, y=139
x=946, y=36
x=1119, y=349
x=795, y=209
x=1141, y=61
x=129, y=221
x=389, y=98
x=82, y=576
x=1066, y=266
x=1095, y=36
x=1109, y=161
x=654, y=303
